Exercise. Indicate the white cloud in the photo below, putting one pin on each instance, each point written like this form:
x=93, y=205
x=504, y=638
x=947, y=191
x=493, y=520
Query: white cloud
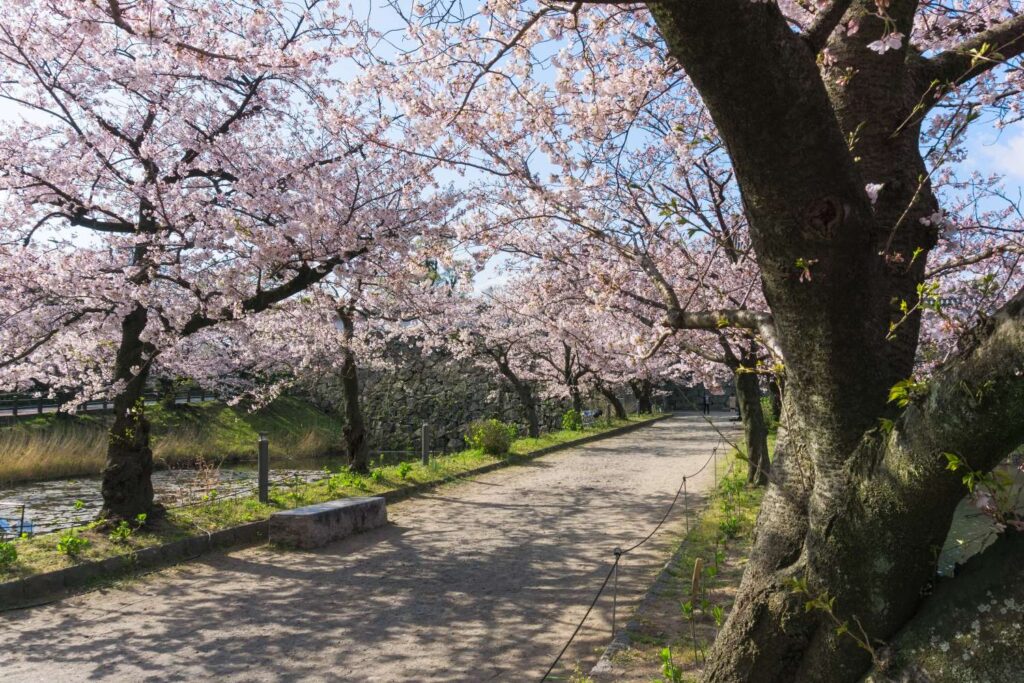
x=1000, y=152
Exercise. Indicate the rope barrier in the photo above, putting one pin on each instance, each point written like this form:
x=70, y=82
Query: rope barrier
x=619, y=553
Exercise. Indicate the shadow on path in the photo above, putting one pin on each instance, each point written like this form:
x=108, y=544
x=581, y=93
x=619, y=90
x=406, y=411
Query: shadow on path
x=480, y=580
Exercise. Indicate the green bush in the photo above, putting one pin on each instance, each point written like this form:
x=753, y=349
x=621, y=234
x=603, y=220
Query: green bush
x=572, y=421
x=71, y=544
x=404, y=469
x=493, y=437
x=8, y=554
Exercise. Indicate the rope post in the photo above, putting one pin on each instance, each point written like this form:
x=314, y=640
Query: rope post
x=263, y=468
x=615, y=588
x=686, y=508
x=714, y=468
x=424, y=446
x=21, y=523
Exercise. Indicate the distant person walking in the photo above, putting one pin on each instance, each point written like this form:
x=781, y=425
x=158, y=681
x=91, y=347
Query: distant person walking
x=707, y=403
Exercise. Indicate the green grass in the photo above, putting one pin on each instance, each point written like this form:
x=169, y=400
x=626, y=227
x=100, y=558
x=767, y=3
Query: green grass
x=52, y=446
x=39, y=554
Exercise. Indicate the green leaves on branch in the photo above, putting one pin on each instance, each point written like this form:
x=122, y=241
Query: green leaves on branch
x=928, y=299
x=905, y=391
x=822, y=602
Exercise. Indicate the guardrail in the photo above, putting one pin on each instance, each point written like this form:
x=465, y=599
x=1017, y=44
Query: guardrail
x=20, y=406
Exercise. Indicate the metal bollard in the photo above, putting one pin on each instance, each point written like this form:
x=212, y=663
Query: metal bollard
x=424, y=446
x=263, y=468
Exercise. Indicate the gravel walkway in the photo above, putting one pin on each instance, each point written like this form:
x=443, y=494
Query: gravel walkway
x=479, y=580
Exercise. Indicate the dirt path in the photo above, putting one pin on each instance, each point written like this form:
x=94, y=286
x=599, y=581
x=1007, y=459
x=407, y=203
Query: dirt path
x=479, y=580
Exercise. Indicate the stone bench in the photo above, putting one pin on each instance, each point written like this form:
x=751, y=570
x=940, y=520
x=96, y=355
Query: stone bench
x=317, y=525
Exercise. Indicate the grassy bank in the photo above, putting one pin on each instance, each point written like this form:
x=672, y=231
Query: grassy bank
x=53, y=446
x=681, y=620
x=40, y=553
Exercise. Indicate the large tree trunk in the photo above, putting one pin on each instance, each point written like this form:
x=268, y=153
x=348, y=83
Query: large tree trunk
x=748, y=394
x=775, y=385
x=853, y=510
x=576, y=398
x=127, y=485
x=613, y=401
x=872, y=549
x=525, y=394
x=523, y=390
x=642, y=391
x=356, y=445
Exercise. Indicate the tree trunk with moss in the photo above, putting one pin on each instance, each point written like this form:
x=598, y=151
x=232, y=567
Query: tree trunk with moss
x=127, y=485
x=357, y=447
x=755, y=433
x=522, y=388
x=859, y=498
x=643, y=393
x=613, y=401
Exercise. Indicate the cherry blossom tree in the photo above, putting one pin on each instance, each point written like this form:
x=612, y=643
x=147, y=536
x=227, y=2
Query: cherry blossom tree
x=842, y=122
x=171, y=167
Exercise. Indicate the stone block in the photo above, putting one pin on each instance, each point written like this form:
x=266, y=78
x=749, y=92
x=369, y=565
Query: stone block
x=317, y=525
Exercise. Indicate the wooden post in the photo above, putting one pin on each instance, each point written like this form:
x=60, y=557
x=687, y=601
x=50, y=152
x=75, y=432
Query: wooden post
x=263, y=468
x=424, y=446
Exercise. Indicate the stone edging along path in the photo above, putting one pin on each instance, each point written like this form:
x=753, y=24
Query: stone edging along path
x=48, y=586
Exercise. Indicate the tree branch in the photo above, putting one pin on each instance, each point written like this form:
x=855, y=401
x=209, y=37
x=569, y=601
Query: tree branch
x=825, y=23
x=305, y=276
x=966, y=61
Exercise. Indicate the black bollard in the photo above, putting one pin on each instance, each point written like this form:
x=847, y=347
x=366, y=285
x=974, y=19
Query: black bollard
x=263, y=468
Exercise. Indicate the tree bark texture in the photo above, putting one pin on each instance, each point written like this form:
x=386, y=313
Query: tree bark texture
x=127, y=486
x=856, y=507
x=357, y=448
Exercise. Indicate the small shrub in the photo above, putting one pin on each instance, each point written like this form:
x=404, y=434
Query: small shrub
x=670, y=671
x=730, y=526
x=71, y=544
x=572, y=420
x=493, y=437
x=377, y=475
x=123, y=532
x=8, y=554
x=404, y=469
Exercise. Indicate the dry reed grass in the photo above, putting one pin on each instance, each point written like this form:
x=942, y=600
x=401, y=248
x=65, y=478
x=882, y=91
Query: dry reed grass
x=65, y=449
x=58, y=448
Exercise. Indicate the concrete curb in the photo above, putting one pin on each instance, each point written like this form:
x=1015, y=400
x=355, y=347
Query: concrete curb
x=43, y=588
